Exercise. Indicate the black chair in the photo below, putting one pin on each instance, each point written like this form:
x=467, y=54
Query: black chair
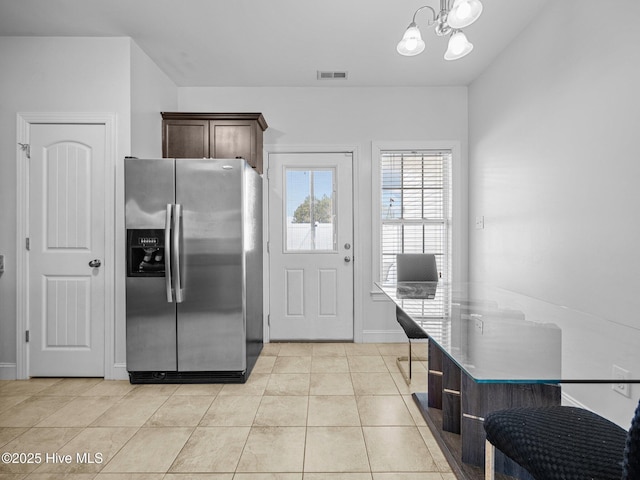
x=562, y=442
x=413, y=332
x=414, y=268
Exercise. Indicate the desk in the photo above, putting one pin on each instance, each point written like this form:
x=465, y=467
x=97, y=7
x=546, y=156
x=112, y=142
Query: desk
x=491, y=349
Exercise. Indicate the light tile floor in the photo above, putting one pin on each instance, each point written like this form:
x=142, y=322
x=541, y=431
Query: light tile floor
x=309, y=411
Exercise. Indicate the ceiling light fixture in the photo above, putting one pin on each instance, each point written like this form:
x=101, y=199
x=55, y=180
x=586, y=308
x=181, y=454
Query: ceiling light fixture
x=454, y=15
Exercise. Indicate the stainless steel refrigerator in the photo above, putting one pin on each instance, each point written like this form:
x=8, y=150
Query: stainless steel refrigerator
x=194, y=270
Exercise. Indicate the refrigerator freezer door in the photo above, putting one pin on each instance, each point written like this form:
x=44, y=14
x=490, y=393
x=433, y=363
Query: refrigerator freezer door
x=151, y=320
x=149, y=186
x=211, y=322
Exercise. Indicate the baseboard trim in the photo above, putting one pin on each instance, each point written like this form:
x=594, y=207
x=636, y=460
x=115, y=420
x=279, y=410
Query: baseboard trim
x=8, y=371
x=570, y=401
x=118, y=372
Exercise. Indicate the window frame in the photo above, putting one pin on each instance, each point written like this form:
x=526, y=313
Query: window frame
x=459, y=213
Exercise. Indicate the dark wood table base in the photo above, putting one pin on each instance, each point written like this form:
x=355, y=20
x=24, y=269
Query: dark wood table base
x=455, y=406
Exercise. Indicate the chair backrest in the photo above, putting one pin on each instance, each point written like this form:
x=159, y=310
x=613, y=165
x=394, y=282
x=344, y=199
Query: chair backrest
x=416, y=267
x=631, y=460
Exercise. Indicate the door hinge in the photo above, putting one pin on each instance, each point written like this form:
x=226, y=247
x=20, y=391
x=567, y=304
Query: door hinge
x=27, y=243
x=268, y=246
x=26, y=336
x=26, y=148
x=269, y=319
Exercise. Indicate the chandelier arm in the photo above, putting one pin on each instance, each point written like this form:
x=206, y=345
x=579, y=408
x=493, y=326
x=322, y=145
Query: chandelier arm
x=433, y=12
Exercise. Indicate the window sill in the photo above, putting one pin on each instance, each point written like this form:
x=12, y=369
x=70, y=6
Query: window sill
x=378, y=296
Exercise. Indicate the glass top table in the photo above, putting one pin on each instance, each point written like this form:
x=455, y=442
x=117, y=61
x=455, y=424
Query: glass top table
x=498, y=336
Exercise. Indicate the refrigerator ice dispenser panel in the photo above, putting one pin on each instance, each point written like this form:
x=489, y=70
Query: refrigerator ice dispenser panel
x=145, y=253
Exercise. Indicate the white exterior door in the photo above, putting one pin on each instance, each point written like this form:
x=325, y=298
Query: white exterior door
x=66, y=280
x=310, y=246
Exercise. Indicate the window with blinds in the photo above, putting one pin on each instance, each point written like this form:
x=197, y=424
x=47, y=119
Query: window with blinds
x=415, y=208
x=416, y=217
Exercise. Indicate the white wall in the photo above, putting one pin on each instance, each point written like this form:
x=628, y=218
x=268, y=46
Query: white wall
x=152, y=92
x=350, y=116
x=50, y=75
x=553, y=135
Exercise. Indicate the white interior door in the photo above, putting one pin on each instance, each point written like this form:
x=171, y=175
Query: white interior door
x=66, y=248
x=310, y=246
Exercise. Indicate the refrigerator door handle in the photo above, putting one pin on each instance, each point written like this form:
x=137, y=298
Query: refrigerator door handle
x=167, y=252
x=175, y=246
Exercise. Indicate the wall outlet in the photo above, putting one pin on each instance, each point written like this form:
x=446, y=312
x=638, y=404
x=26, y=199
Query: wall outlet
x=621, y=386
x=480, y=222
x=477, y=322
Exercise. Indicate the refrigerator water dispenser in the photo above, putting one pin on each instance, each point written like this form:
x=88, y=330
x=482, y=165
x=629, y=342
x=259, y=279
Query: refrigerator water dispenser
x=145, y=253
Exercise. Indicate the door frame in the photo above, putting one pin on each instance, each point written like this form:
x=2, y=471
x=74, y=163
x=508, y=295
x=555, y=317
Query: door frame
x=24, y=121
x=357, y=255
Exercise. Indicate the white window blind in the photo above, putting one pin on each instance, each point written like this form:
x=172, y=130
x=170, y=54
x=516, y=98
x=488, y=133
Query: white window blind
x=416, y=215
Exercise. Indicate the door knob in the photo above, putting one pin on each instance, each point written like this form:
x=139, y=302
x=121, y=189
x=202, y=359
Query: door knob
x=347, y=259
x=95, y=263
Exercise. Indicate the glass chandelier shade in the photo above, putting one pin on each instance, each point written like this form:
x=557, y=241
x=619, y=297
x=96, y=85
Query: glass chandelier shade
x=411, y=43
x=464, y=13
x=458, y=46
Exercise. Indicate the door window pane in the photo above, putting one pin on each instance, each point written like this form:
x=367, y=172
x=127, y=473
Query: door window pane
x=310, y=210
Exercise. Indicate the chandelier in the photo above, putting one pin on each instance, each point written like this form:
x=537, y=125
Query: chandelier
x=453, y=16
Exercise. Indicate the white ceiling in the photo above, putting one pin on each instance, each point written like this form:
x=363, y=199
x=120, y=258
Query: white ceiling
x=277, y=42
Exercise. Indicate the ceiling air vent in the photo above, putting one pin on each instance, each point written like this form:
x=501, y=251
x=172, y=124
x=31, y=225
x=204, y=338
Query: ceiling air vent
x=332, y=75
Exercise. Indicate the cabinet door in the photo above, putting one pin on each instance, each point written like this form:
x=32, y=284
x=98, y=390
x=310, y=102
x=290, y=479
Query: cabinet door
x=185, y=139
x=233, y=139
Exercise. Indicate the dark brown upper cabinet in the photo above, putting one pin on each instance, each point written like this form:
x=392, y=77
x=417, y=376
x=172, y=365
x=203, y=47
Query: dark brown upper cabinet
x=214, y=135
